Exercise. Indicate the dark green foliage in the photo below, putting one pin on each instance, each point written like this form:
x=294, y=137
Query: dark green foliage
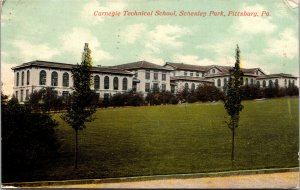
x=46, y=100
x=28, y=141
x=233, y=98
x=157, y=97
x=250, y=92
x=209, y=93
x=81, y=106
x=82, y=101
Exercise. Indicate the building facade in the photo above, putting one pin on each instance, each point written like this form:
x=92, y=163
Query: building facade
x=140, y=76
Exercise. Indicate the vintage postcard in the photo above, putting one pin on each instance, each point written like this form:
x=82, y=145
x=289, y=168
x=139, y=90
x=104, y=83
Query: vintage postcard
x=150, y=93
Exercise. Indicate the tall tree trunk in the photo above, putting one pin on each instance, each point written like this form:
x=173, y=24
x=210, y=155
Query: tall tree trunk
x=76, y=148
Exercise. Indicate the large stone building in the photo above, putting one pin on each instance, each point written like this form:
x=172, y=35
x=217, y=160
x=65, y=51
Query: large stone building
x=140, y=76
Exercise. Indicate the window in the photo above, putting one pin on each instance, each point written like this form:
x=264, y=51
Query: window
x=96, y=82
x=54, y=78
x=264, y=83
x=213, y=71
x=276, y=82
x=147, y=87
x=43, y=77
x=17, y=94
x=258, y=84
x=125, y=82
x=246, y=81
x=163, y=76
x=193, y=86
x=252, y=82
x=270, y=83
x=185, y=73
x=285, y=82
x=106, y=82
x=186, y=86
x=22, y=79
x=155, y=87
x=293, y=82
x=28, y=77
x=163, y=87
x=116, y=83
x=191, y=74
x=219, y=82
x=155, y=76
x=22, y=91
x=256, y=72
x=172, y=89
x=27, y=95
x=18, y=79
x=225, y=81
x=147, y=76
x=65, y=94
x=197, y=74
x=66, y=79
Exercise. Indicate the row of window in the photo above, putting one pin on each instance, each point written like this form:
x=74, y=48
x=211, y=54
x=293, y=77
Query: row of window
x=191, y=74
x=22, y=78
x=257, y=82
x=155, y=87
x=54, y=78
x=193, y=86
x=22, y=95
x=155, y=75
x=106, y=83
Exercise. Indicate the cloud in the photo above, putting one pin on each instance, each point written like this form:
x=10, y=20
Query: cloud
x=73, y=42
x=7, y=78
x=29, y=51
x=94, y=5
x=133, y=32
x=285, y=45
x=253, y=25
x=149, y=56
x=165, y=35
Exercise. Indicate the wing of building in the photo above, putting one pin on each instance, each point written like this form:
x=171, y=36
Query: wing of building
x=140, y=76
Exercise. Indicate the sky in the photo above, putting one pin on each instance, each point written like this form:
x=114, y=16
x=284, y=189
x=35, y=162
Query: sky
x=56, y=30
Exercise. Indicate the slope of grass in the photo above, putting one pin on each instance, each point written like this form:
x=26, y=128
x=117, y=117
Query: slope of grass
x=172, y=139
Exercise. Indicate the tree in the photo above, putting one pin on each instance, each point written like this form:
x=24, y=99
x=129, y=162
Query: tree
x=81, y=107
x=232, y=99
x=28, y=142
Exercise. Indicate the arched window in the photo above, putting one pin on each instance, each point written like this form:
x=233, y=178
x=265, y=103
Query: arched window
x=22, y=79
x=96, y=82
x=264, y=83
x=106, y=82
x=54, y=78
x=186, y=86
x=116, y=83
x=225, y=81
x=213, y=71
x=258, y=84
x=285, y=82
x=276, y=83
x=270, y=83
x=193, y=86
x=246, y=81
x=66, y=79
x=28, y=77
x=43, y=77
x=18, y=78
x=219, y=82
x=125, y=83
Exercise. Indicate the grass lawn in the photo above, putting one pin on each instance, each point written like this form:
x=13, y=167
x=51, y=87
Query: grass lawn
x=173, y=139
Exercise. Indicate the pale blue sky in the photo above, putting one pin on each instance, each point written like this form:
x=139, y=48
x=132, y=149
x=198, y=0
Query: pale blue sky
x=55, y=30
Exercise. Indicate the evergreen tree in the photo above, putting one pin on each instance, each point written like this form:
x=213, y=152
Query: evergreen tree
x=81, y=107
x=232, y=100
